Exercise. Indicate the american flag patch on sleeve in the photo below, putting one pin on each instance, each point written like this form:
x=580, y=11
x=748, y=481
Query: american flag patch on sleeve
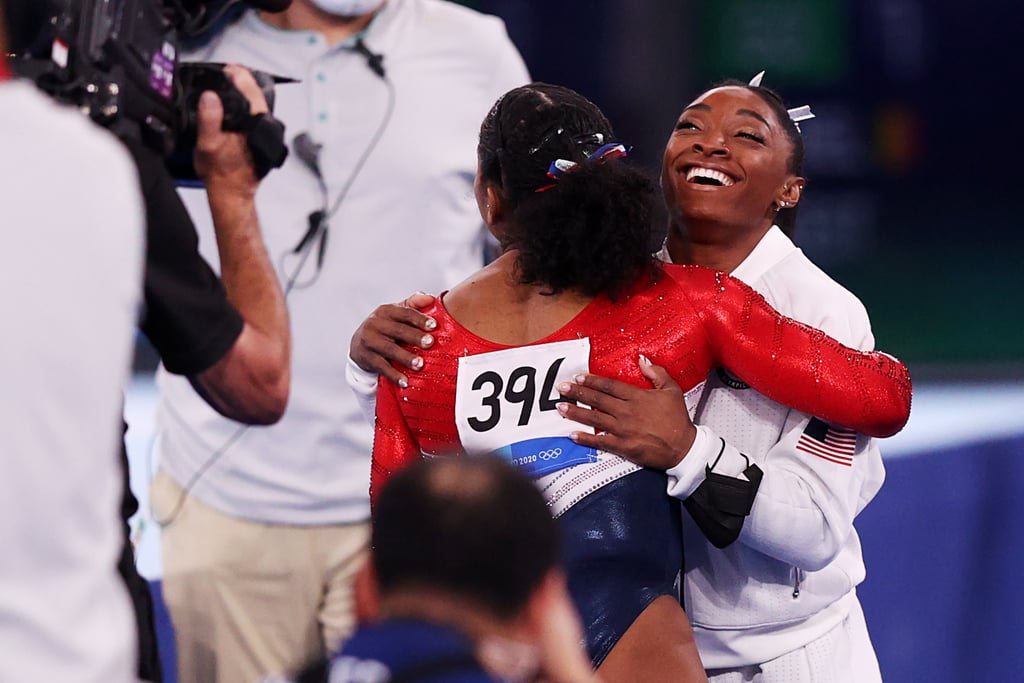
x=835, y=444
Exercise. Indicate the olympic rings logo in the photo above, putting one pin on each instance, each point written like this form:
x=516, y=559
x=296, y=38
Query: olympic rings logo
x=550, y=455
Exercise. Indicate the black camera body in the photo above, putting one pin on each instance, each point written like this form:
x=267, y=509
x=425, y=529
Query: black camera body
x=117, y=61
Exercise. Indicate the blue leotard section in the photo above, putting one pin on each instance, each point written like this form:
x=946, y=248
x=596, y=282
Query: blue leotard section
x=622, y=550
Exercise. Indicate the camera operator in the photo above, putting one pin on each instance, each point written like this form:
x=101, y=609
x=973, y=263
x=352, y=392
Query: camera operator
x=228, y=336
x=72, y=268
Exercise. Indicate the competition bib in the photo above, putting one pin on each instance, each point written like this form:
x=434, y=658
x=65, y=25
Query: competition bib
x=505, y=405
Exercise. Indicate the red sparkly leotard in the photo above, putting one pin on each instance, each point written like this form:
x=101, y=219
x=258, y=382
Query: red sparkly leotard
x=690, y=321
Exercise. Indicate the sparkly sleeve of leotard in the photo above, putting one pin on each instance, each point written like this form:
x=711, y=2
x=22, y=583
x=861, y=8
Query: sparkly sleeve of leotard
x=795, y=364
x=393, y=445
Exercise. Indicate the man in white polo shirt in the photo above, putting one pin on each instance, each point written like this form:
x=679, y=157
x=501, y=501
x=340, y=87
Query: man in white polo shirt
x=265, y=527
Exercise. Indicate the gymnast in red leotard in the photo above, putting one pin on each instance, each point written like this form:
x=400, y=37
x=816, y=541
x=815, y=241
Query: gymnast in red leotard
x=691, y=321
x=576, y=290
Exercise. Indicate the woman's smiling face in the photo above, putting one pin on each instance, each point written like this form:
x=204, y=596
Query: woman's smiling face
x=728, y=160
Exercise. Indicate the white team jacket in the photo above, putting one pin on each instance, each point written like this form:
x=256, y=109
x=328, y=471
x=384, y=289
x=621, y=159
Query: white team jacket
x=791, y=575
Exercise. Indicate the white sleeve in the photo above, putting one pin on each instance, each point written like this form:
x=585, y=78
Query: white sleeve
x=805, y=507
x=708, y=450
x=364, y=385
x=804, y=510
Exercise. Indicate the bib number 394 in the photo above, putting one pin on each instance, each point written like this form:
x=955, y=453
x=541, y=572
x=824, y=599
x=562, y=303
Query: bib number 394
x=521, y=387
x=505, y=404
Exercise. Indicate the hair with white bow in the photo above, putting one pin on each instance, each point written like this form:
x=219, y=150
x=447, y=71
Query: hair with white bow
x=797, y=114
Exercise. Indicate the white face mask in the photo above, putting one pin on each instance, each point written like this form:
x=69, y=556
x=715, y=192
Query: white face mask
x=347, y=8
x=509, y=660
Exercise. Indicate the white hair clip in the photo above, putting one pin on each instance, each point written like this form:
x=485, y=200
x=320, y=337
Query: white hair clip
x=796, y=114
x=799, y=114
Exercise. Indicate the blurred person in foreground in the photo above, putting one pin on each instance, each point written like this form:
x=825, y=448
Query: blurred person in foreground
x=577, y=288
x=463, y=584
x=72, y=285
x=227, y=336
x=265, y=528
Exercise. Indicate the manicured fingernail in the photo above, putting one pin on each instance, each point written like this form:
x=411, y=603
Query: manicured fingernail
x=575, y=436
x=427, y=340
x=645, y=360
x=580, y=379
x=404, y=383
x=564, y=388
x=431, y=324
x=417, y=363
x=562, y=407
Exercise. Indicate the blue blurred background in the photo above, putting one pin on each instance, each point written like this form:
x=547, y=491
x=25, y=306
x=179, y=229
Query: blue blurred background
x=911, y=166
x=910, y=181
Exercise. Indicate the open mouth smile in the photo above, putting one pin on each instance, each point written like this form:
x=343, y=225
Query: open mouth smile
x=707, y=176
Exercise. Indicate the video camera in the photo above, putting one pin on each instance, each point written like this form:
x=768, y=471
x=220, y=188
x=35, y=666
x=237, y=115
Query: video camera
x=117, y=60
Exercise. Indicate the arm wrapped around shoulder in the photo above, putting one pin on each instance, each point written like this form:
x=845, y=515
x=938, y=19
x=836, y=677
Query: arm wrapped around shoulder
x=794, y=364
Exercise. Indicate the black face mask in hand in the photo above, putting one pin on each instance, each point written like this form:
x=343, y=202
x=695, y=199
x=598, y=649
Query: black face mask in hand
x=720, y=504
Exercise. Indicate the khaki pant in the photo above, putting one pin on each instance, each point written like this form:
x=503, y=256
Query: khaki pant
x=249, y=600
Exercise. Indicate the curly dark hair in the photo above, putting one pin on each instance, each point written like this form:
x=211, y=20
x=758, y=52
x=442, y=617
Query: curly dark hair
x=591, y=230
x=785, y=218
